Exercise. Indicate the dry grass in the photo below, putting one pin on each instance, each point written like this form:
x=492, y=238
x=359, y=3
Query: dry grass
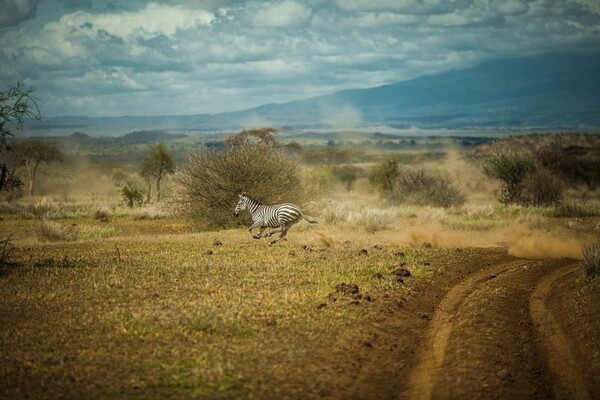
x=590, y=259
x=150, y=311
x=103, y=301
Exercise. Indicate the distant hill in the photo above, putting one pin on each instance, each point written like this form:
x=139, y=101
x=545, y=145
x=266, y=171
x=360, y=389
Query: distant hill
x=149, y=137
x=549, y=91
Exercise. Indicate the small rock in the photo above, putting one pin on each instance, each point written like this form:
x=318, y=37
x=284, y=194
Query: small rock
x=402, y=273
x=217, y=243
x=347, y=288
x=426, y=245
x=505, y=375
x=378, y=275
x=209, y=252
x=399, y=254
x=377, y=247
x=321, y=305
x=292, y=253
x=458, y=250
x=363, y=252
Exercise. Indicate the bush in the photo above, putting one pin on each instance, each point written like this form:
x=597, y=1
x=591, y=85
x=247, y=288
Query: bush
x=132, y=194
x=510, y=165
x=209, y=182
x=347, y=175
x=574, y=209
x=101, y=215
x=590, y=259
x=572, y=163
x=6, y=248
x=541, y=188
x=420, y=187
x=54, y=232
x=383, y=175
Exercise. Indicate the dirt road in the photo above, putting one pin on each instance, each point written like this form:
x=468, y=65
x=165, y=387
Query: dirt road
x=495, y=327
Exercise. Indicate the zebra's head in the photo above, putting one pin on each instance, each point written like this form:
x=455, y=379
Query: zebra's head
x=241, y=205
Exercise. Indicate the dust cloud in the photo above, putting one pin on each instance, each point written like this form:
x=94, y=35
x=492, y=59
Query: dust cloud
x=541, y=245
x=520, y=240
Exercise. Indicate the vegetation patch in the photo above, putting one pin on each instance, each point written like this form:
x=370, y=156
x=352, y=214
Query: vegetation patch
x=590, y=259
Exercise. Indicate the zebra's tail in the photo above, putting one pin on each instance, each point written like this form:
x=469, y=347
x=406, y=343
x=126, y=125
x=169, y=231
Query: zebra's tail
x=309, y=220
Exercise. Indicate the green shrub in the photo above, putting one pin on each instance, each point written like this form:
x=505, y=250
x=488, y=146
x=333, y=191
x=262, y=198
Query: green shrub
x=383, y=175
x=510, y=165
x=132, y=194
x=590, y=259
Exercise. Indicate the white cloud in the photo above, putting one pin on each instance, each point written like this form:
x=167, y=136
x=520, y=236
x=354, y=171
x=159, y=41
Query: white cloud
x=282, y=15
x=155, y=19
x=509, y=7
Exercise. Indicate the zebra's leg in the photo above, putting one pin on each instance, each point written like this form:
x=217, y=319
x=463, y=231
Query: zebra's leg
x=284, y=229
x=273, y=232
x=256, y=224
x=260, y=233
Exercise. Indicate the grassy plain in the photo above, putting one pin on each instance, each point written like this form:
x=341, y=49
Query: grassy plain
x=140, y=306
x=157, y=311
x=102, y=301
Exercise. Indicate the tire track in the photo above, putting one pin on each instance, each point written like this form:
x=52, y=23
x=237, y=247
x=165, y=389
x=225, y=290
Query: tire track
x=569, y=382
x=493, y=336
x=426, y=373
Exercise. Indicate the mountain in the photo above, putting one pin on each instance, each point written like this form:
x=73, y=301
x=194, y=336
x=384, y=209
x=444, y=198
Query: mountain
x=548, y=91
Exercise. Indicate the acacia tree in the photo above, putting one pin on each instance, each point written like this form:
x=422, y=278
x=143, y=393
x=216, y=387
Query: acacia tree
x=16, y=105
x=156, y=165
x=31, y=153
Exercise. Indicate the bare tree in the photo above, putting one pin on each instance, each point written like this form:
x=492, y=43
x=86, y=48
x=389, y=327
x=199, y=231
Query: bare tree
x=156, y=165
x=16, y=105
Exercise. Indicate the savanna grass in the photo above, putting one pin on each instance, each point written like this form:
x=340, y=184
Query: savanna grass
x=162, y=315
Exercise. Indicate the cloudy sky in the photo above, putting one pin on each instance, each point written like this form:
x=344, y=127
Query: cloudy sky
x=136, y=57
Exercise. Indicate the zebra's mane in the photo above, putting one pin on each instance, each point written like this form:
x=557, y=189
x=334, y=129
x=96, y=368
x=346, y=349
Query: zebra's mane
x=252, y=199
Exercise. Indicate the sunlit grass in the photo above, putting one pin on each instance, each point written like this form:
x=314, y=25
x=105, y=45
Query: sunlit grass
x=207, y=314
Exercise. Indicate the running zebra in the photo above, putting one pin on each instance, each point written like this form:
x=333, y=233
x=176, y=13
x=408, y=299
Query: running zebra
x=281, y=216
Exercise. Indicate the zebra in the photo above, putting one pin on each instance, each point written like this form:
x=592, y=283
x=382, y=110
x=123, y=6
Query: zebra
x=281, y=216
